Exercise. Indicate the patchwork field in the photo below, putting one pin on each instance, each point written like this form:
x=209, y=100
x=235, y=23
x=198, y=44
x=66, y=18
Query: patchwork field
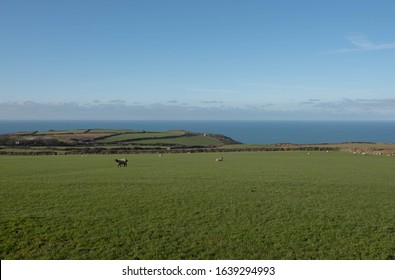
x=108, y=141
x=255, y=205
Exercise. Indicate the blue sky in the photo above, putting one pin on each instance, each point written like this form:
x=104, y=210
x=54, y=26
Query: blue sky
x=197, y=59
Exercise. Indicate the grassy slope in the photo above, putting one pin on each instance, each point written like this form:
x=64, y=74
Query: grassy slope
x=197, y=140
x=77, y=139
x=134, y=136
x=111, y=141
x=281, y=205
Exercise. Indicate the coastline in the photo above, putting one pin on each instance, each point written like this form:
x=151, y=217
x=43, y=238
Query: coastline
x=248, y=132
x=127, y=141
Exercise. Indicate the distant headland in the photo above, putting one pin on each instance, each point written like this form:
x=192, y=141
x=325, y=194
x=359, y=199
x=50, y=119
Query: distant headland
x=127, y=141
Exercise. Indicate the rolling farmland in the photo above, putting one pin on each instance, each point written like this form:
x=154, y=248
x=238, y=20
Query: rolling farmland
x=255, y=205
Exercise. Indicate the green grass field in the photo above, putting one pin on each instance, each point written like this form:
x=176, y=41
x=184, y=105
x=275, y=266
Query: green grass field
x=257, y=205
x=199, y=140
x=134, y=136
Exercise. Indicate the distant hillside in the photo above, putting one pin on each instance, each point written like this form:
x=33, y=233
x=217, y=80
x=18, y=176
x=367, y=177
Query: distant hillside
x=124, y=141
x=109, y=141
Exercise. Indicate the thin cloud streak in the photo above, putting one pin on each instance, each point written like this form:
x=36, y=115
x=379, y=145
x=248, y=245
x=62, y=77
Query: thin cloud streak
x=366, y=109
x=346, y=109
x=362, y=43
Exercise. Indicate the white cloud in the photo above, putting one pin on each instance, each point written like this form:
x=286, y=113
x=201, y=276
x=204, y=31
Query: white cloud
x=368, y=109
x=361, y=43
x=355, y=108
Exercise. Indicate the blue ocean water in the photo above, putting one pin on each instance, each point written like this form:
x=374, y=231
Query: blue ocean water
x=249, y=132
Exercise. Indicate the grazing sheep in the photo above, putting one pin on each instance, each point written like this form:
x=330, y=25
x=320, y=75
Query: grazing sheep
x=122, y=162
x=219, y=159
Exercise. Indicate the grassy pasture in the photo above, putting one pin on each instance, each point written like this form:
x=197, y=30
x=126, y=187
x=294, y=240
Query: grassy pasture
x=261, y=205
x=134, y=136
x=186, y=141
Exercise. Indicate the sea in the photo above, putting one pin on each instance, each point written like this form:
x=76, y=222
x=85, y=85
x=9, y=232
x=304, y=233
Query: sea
x=248, y=132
